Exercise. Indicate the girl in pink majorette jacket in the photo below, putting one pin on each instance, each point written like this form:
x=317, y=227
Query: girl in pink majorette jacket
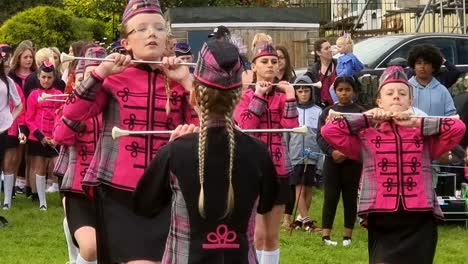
x=133, y=97
x=269, y=106
x=397, y=200
x=40, y=118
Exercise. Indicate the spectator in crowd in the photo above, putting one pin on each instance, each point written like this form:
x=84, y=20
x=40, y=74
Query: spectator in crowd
x=342, y=174
x=430, y=95
x=323, y=70
x=303, y=152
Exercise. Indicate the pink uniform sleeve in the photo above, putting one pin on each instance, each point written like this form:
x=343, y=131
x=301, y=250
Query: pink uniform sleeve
x=290, y=114
x=31, y=113
x=63, y=133
x=249, y=110
x=445, y=134
x=88, y=100
x=342, y=134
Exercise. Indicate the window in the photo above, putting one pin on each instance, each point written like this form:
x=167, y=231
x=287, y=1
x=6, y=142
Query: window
x=462, y=51
x=447, y=47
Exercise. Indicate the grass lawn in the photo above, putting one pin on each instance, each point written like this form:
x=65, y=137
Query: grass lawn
x=34, y=236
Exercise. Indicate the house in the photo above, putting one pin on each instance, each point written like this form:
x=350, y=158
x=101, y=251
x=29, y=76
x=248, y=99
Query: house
x=295, y=28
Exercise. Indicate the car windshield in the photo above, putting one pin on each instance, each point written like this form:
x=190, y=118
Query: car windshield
x=369, y=50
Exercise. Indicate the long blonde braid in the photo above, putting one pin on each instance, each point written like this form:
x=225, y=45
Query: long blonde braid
x=204, y=111
x=232, y=148
x=227, y=108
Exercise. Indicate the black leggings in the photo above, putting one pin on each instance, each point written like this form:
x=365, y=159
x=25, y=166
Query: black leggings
x=340, y=178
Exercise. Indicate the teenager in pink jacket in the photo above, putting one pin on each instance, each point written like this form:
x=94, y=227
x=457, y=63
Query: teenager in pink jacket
x=132, y=97
x=40, y=117
x=397, y=199
x=269, y=106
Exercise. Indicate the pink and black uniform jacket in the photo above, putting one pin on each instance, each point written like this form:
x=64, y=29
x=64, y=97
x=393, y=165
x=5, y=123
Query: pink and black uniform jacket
x=172, y=178
x=396, y=160
x=270, y=111
x=40, y=116
x=79, y=139
x=134, y=99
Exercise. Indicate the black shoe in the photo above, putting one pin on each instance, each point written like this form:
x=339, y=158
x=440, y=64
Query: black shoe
x=19, y=190
x=27, y=191
x=34, y=197
x=3, y=221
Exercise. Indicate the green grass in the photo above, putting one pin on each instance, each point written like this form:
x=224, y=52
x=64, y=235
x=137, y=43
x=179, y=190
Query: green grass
x=34, y=236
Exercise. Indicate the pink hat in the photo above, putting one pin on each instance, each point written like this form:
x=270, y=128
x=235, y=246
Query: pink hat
x=219, y=65
x=94, y=52
x=135, y=7
x=264, y=49
x=393, y=74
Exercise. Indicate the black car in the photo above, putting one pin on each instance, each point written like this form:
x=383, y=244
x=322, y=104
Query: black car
x=377, y=52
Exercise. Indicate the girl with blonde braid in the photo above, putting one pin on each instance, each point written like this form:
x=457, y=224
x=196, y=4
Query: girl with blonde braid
x=210, y=213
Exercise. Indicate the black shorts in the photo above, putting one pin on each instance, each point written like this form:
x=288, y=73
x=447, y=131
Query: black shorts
x=35, y=148
x=80, y=212
x=122, y=235
x=11, y=142
x=284, y=190
x=298, y=177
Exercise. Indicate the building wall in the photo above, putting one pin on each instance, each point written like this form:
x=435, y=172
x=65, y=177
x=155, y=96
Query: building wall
x=299, y=42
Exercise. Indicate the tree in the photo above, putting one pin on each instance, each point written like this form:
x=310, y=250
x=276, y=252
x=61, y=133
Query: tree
x=9, y=8
x=48, y=26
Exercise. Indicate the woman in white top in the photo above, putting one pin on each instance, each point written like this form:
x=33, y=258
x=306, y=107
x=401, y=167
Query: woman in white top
x=8, y=94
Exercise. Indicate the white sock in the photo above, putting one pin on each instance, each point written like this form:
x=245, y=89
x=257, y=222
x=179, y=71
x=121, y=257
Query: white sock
x=270, y=257
x=80, y=260
x=72, y=250
x=259, y=255
x=41, y=188
x=55, y=185
x=8, y=187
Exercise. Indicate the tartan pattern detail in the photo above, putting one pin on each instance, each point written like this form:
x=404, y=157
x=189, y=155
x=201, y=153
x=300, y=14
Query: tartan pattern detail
x=67, y=182
x=290, y=109
x=73, y=125
x=210, y=72
x=61, y=164
x=178, y=239
x=135, y=7
x=356, y=123
x=258, y=105
x=88, y=88
x=430, y=126
x=103, y=165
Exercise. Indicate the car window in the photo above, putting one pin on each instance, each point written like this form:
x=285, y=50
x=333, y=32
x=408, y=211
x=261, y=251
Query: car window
x=370, y=50
x=462, y=51
x=447, y=47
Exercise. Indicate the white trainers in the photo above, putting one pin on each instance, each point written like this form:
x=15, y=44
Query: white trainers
x=328, y=242
x=43, y=208
x=53, y=188
x=346, y=242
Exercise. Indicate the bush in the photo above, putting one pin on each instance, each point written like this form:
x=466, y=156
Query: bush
x=49, y=26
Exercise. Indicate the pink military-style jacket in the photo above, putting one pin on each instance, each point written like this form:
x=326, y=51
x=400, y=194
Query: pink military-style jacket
x=268, y=112
x=396, y=159
x=40, y=116
x=79, y=140
x=134, y=99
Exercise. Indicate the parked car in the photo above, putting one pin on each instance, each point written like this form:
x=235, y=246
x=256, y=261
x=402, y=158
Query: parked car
x=376, y=53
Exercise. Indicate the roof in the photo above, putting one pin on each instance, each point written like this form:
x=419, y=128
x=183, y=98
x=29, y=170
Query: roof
x=243, y=14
